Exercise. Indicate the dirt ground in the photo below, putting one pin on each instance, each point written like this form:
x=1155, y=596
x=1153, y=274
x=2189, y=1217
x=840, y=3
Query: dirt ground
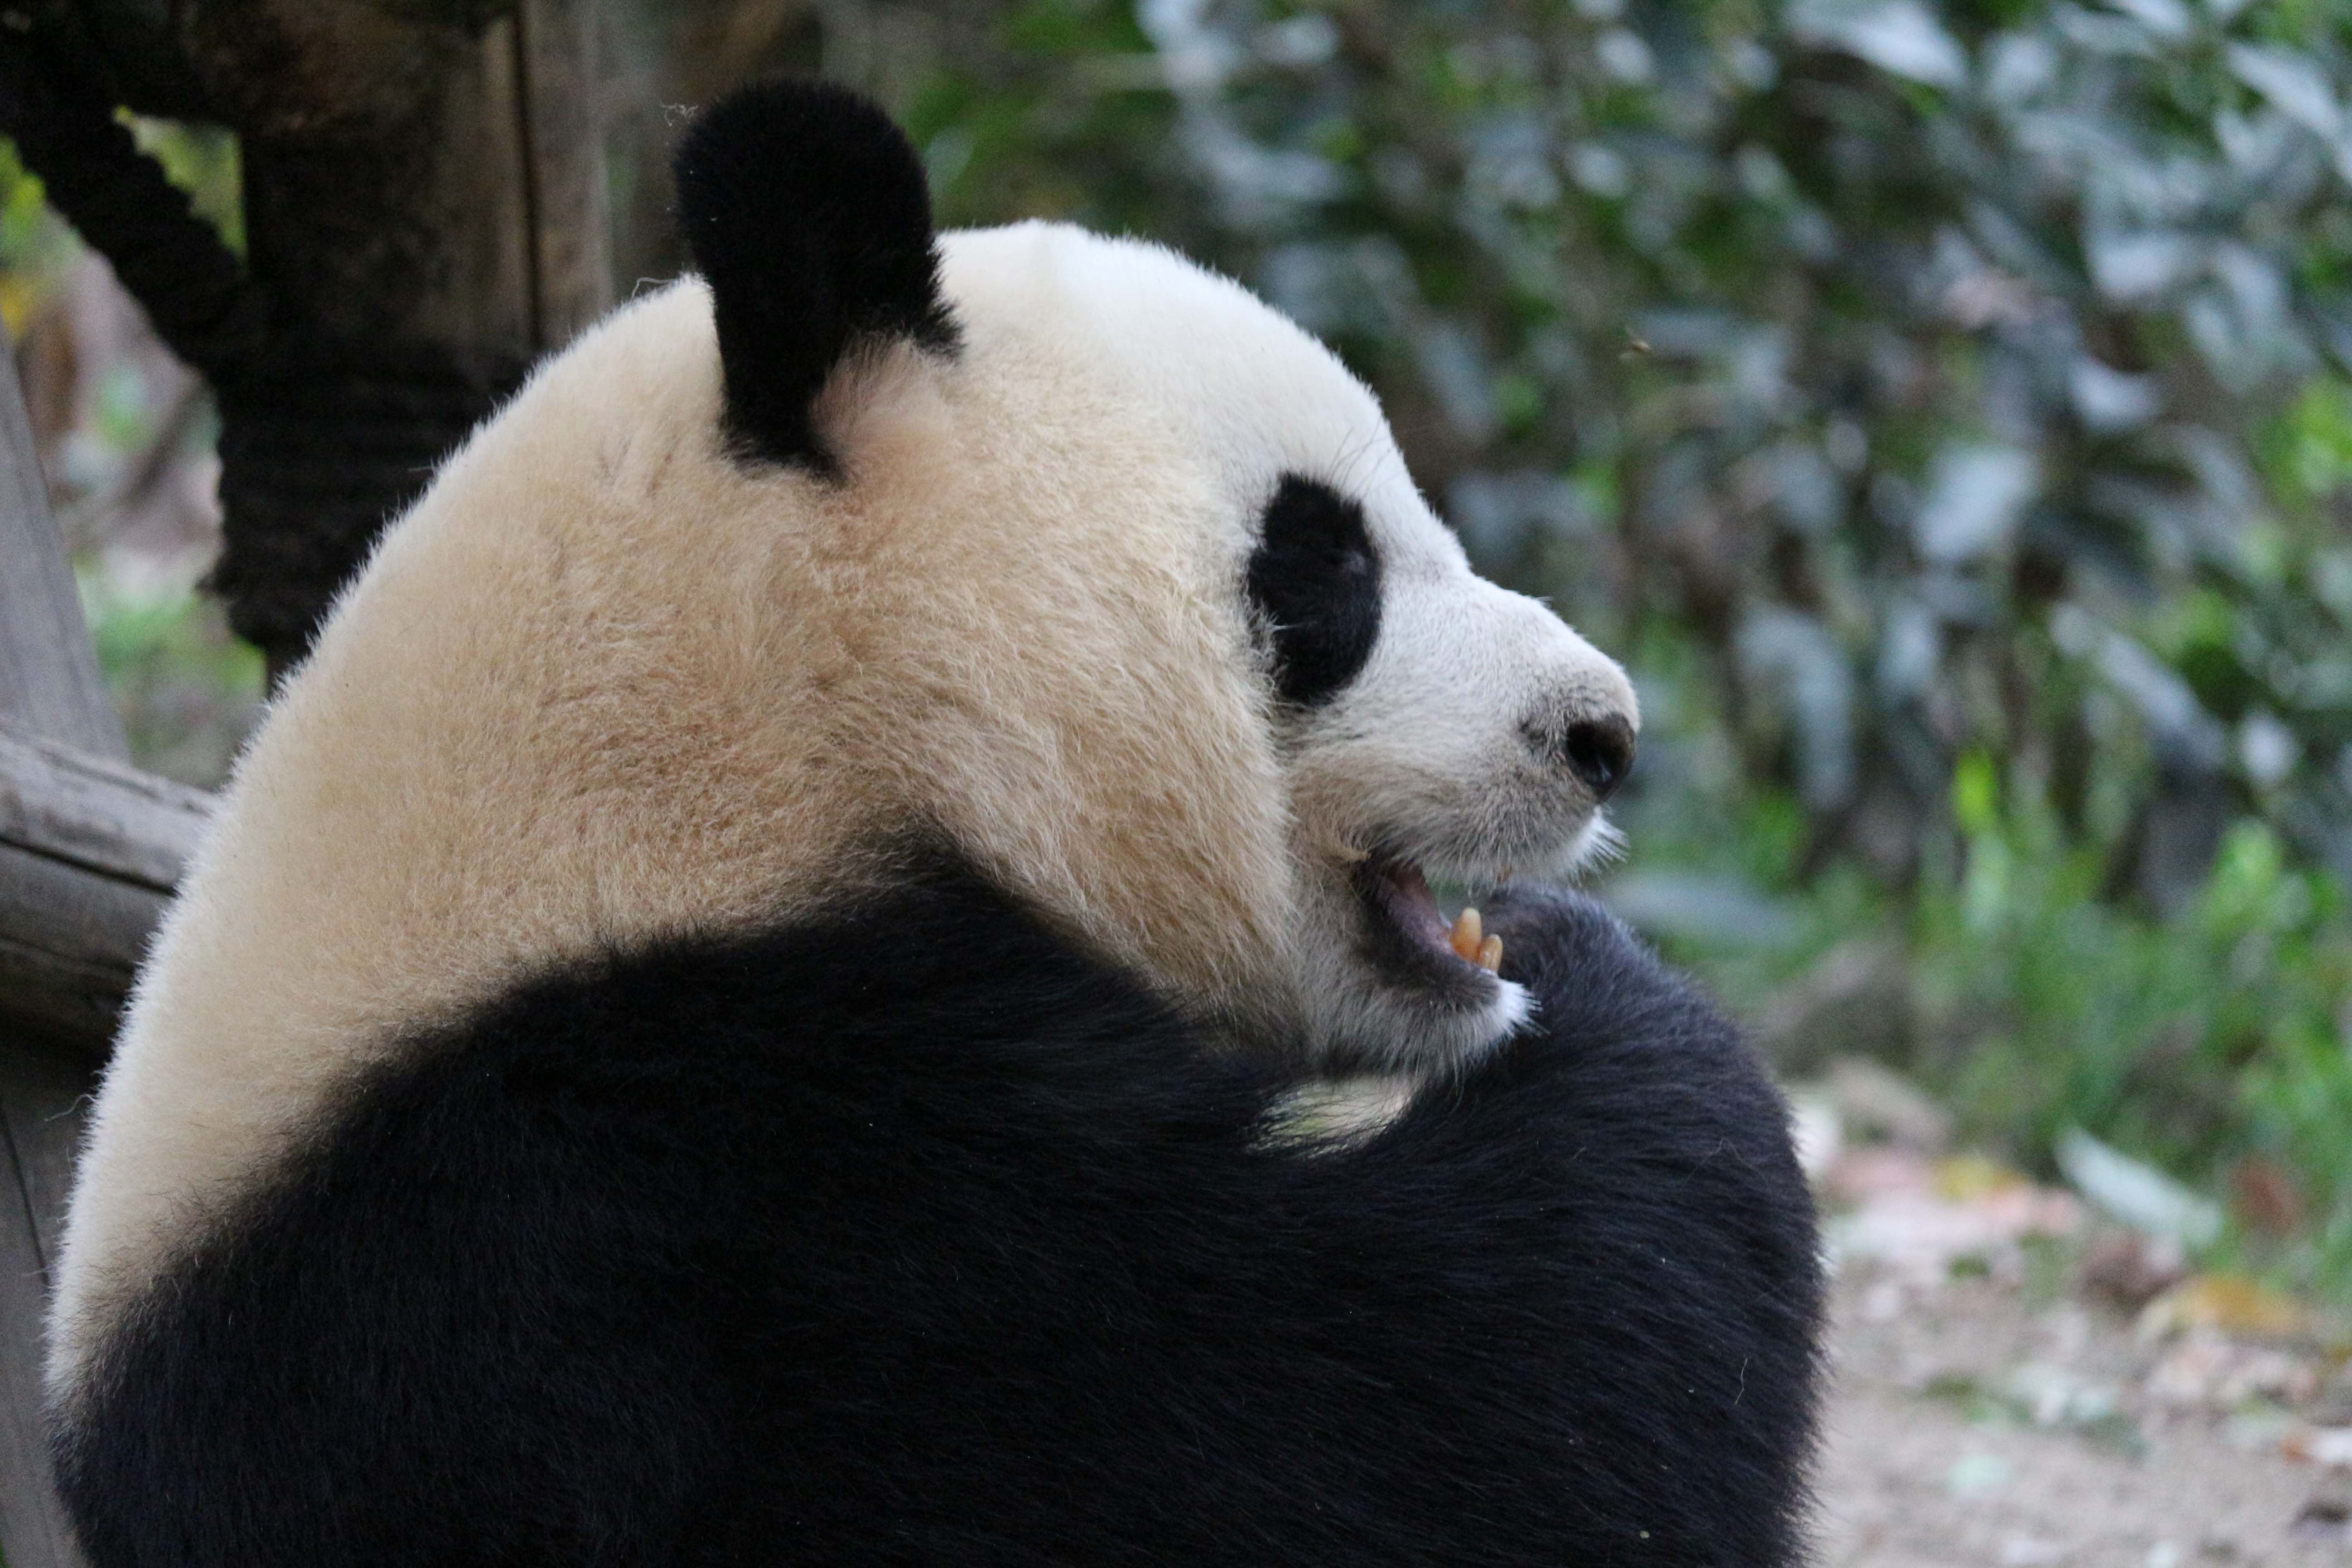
x=2026, y=1375
x=1968, y=1427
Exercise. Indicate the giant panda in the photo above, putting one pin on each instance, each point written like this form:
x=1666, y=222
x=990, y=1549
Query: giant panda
x=751, y=1001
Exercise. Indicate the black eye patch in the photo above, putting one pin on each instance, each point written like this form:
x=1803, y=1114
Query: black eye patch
x=1315, y=582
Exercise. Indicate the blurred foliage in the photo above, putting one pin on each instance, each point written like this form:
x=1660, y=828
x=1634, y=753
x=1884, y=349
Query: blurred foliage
x=35, y=244
x=202, y=160
x=118, y=423
x=2204, y=1042
x=1947, y=409
x=186, y=689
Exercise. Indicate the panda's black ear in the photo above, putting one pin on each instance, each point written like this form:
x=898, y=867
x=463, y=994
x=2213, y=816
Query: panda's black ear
x=807, y=211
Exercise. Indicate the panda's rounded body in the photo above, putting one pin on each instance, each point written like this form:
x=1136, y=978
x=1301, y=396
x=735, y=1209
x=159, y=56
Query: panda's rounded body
x=737, y=1009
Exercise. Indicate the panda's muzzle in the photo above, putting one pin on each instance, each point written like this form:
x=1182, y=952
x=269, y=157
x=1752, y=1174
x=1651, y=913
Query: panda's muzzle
x=1402, y=930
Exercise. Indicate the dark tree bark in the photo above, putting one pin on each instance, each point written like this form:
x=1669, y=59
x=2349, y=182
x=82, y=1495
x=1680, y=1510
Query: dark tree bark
x=424, y=196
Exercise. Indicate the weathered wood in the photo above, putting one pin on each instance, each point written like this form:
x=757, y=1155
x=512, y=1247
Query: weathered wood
x=42, y=1090
x=86, y=849
x=563, y=146
x=71, y=941
x=48, y=671
x=88, y=853
x=425, y=207
x=100, y=815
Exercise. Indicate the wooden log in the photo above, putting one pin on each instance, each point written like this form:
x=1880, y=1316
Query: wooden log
x=48, y=671
x=425, y=205
x=88, y=853
x=70, y=943
x=80, y=887
x=566, y=190
x=89, y=850
x=101, y=815
x=42, y=1090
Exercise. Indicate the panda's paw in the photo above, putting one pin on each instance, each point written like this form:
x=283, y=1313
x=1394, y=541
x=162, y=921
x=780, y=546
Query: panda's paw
x=1549, y=934
x=1598, y=990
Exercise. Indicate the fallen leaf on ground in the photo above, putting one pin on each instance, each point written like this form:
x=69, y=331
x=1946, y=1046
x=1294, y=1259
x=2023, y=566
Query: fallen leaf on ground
x=2329, y=1446
x=1965, y=1178
x=2227, y=1303
x=2130, y=1268
x=2136, y=1193
x=2205, y=1369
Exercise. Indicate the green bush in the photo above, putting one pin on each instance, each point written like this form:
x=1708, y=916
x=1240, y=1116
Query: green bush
x=2201, y=1042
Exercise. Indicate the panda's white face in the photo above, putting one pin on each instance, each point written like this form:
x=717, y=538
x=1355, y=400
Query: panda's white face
x=1426, y=722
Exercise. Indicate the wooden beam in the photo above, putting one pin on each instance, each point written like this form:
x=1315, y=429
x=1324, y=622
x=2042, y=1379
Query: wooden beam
x=40, y=1128
x=89, y=851
x=564, y=186
x=48, y=671
x=88, y=848
x=101, y=815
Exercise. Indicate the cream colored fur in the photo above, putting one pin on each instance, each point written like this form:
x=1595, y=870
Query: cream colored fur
x=603, y=682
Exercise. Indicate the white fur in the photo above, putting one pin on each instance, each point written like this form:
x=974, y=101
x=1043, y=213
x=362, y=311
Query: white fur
x=602, y=682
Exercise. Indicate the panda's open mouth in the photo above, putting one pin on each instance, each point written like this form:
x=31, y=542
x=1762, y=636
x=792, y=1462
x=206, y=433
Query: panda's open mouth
x=1406, y=929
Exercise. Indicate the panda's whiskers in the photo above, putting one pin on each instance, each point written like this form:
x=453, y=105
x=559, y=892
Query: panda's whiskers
x=1352, y=455
x=1602, y=843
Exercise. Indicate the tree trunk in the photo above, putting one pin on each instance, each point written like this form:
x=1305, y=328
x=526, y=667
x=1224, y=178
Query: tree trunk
x=425, y=202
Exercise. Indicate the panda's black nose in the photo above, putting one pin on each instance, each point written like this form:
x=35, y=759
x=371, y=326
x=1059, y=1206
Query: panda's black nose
x=1599, y=751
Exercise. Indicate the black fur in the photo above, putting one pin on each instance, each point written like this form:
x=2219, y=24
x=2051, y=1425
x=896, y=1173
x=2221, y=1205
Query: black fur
x=807, y=211
x=919, y=1238
x=1315, y=582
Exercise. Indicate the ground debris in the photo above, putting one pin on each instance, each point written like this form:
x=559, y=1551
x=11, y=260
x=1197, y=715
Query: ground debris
x=2020, y=1379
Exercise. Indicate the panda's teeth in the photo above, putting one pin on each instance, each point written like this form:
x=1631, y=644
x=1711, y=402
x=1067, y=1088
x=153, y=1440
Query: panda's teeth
x=1490, y=955
x=1468, y=938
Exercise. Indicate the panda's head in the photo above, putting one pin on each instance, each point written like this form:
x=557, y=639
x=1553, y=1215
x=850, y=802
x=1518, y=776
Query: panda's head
x=1268, y=652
